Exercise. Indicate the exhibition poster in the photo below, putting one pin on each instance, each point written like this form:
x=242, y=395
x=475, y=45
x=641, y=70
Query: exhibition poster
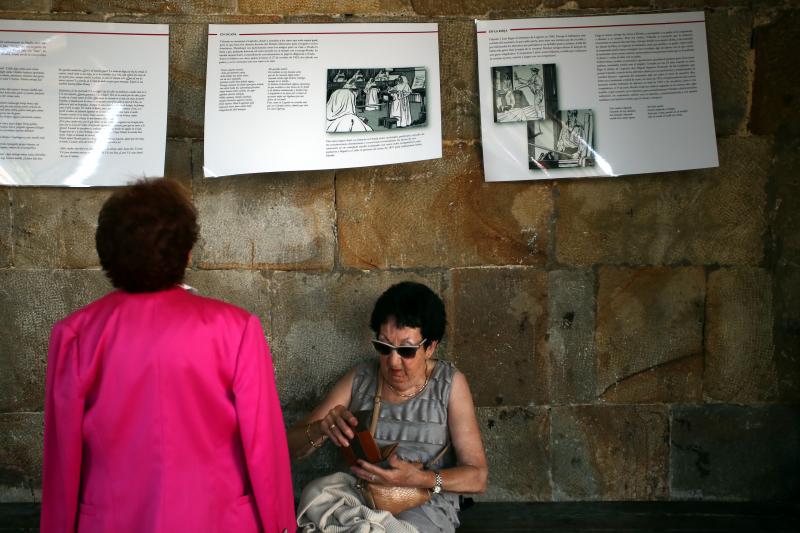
x=283, y=97
x=82, y=103
x=594, y=96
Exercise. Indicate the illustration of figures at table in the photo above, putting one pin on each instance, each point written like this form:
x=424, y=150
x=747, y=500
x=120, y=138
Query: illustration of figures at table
x=375, y=99
x=524, y=92
x=563, y=141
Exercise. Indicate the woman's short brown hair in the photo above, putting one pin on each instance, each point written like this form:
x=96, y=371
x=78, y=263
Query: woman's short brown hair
x=144, y=235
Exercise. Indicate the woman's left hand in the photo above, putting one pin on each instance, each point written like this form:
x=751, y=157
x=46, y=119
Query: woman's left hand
x=399, y=474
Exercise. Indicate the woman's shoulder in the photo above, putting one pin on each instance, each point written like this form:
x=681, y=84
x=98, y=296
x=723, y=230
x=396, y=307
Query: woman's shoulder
x=445, y=370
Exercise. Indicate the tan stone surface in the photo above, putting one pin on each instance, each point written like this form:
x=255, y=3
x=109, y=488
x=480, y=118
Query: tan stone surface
x=729, y=63
x=776, y=92
x=188, y=50
x=54, y=227
x=739, y=347
x=440, y=213
x=458, y=63
x=248, y=289
x=319, y=327
x=610, y=452
x=24, y=5
x=30, y=303
x=517, y=442
x=178, y=161
x=331, y=7
x=677, y=381
x=20, y=456
x=647, y=318
x=472, y=7
x=6, y=250
x=570, y=339
x=283, y=221
x=498, y=327
x=696, y=217
x=172, y=7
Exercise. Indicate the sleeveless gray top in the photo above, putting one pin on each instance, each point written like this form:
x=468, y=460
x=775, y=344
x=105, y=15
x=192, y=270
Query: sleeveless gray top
x=419, y=426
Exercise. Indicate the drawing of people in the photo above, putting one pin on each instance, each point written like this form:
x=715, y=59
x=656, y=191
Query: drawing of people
x=401, y=107
x=571, y=142
x=339, y=77
x=532, y=88
x=371, y=90
x=341, y=111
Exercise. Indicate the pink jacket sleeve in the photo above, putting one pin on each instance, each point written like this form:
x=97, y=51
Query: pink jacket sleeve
x=63, y=417
x=262, y=431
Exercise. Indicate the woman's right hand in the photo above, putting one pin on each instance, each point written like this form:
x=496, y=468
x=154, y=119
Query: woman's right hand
x=338, y=425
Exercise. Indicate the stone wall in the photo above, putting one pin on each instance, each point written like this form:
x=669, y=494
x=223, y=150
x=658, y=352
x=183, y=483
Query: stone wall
x=631, y=338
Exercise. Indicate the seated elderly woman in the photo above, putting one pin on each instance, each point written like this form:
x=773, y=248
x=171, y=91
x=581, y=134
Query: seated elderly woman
x=425, y=406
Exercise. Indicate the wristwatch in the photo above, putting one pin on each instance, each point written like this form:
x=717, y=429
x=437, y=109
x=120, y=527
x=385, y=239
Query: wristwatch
x=437, y=484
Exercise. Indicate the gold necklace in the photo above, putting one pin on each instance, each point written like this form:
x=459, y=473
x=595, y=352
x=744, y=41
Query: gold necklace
x=412, y=395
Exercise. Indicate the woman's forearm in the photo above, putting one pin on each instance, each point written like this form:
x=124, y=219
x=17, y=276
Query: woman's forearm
x=464, y=479
x=301, y=436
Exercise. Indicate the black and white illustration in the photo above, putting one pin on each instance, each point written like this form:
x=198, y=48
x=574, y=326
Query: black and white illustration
x=375, y=99
x=524, y=92
x=565, y=140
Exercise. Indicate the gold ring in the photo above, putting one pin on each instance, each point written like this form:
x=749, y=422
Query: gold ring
x=332, y=427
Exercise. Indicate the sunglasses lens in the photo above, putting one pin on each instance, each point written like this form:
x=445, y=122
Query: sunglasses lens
x=381, y=348
x=407, y=352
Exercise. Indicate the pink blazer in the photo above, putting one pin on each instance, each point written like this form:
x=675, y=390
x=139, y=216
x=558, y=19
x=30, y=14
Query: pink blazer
x=161, y=415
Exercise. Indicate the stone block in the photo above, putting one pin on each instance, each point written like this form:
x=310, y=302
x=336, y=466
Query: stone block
x=188, y=50
x=329, y=7
x=571, y=348
x=440, y=214
x=517, y=442
x=20, y=456
x=739, y=348
x=649, y=320
x=458, y=63
x=711, y=216
x=787, y=331
x=612, y=4
x=31, y=302
x=178, y=161
x=730, y=65
x=282, y=220
x=171, y=7
x=6, y=249
x=319, y=325
x=24, y=6
x=54, y=227
x=247, y=289
x=479, y=8
x=498, y=328
x=728, y=452
x=785, y=198
x=776, y=92
x=610, y=452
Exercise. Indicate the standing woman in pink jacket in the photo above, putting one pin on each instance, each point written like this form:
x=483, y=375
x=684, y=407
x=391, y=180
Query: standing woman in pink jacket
x=161, y=412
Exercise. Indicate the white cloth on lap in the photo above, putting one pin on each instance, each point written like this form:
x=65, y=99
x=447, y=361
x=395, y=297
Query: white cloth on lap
x=333, y=504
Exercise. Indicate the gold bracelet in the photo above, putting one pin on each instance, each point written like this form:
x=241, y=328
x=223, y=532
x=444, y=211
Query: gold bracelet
x=310, y=440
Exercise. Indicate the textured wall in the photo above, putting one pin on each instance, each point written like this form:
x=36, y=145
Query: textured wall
x=629, y=338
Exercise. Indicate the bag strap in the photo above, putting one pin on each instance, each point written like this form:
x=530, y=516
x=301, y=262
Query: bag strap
x=439, y=455
x=376, y=411
x=376, y=408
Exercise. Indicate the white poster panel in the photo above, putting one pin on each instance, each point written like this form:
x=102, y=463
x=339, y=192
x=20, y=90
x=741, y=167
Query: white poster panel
x=594, y=96
x=82, y=103
x=313, y=96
